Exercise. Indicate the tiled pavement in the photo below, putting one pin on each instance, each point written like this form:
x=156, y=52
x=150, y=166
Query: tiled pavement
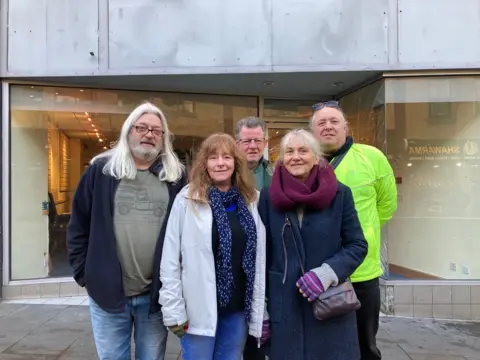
x=32, y=331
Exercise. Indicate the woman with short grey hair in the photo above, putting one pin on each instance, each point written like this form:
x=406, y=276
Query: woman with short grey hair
x=311, y=225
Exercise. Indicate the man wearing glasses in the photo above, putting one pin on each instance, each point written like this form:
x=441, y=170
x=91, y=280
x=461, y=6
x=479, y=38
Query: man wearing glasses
x=367, y=172
x=116, y=233
x=251, y=136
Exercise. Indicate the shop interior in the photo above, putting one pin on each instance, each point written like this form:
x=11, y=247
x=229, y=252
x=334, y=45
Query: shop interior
x=429, y=128
x=56, y=131
x=436, y=159
x=50, y=148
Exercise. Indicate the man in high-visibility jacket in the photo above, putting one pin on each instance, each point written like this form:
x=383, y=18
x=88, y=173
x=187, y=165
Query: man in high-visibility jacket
x=367, y=172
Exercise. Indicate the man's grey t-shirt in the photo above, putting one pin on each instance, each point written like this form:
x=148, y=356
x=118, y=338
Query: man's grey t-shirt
x=140, y=208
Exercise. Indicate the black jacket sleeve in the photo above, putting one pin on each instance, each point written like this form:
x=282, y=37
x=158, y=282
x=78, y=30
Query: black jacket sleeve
x=79, y=226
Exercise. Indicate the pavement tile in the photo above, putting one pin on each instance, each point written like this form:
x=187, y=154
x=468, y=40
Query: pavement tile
x=458, y=338
x=73, y=314
x=27, y=357
x=83, y=346
x=173, y=344
x=391, y=351
x=40, y=345
x=61, y=332
x=7, y=309
x=413, y=336
x=435, y=357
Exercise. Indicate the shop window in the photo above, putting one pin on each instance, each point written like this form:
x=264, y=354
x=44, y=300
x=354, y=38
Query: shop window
x=435, y=147
x=365, y=112
x=282, y=116
x=56, y=131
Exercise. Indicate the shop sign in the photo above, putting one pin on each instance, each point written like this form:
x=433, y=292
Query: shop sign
x=443, y=150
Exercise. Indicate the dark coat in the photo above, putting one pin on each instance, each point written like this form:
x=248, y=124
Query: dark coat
x=333, y=236
x=91, y=240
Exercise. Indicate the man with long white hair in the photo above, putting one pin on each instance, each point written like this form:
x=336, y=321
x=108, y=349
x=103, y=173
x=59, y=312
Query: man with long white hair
x=116, y=233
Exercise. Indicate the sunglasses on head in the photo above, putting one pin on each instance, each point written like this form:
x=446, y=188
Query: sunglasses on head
x=329, y=103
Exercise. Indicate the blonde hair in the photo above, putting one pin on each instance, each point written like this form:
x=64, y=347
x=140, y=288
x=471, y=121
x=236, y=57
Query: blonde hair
x=121, y=164
x=200, y=181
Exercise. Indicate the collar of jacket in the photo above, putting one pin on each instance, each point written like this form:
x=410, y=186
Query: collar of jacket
x=156, y=167
x=262, y=162
x=186, y=194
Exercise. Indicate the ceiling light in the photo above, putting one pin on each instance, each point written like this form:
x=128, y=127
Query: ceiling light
x=105, y=148
x=92, y=125
x=101, y=140
x=81, y=90
x=31, y=96
x=409, y=164
x=268, y=83
x=98, y=135
x=89, y=119
x=337, y=83
x=96, y=130
x=56, y=93
x=31, y=87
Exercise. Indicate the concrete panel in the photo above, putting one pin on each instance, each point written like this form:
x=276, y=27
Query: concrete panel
x=52, y=36
x=188, y=33
x=439, y=32
x=3, y=36
x=26, y=35
x=312, y=32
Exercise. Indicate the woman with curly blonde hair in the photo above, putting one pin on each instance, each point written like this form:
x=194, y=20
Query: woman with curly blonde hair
x=213, y=263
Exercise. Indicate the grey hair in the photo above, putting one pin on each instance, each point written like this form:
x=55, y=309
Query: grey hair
x=250, y=122
x=121, y=164
x=308, y=139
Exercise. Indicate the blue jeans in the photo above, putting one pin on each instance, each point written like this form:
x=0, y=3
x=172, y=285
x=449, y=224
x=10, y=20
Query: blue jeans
x=113, y=331
x=227, y=344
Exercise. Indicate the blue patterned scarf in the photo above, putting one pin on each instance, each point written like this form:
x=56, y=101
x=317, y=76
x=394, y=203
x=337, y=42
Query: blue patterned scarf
x=218, y=201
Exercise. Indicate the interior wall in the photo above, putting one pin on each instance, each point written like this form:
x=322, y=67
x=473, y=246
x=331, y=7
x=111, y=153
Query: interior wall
x=435, y=144
x=29, y=190
x=75, y=166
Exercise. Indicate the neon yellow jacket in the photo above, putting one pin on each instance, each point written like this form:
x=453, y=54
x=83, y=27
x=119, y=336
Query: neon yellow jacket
x=367, y=172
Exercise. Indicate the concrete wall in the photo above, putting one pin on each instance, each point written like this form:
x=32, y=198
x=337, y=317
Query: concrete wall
x=101, y=37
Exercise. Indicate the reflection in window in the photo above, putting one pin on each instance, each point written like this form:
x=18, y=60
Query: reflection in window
x=55, y=132
x=365, y=113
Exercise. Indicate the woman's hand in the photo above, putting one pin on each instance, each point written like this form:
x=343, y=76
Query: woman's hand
x=179, y=330
x=265, y=332
x=310, y=286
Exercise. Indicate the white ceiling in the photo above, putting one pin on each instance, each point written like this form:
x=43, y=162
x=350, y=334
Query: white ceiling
x=78, y=126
